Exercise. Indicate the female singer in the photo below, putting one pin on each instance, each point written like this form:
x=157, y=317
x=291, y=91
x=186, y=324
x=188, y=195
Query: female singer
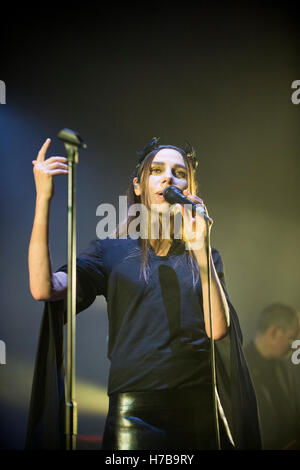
x=160, y=382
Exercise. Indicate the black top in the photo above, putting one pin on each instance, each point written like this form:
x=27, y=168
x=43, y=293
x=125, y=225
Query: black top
x=182, y=334
x=157, y=337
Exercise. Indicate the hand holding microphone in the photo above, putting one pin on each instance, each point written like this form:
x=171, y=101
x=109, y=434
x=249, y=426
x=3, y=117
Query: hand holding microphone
x=174, y=195
x=196, y=232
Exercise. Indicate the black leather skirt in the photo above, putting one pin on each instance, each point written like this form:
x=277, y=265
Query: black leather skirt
x=166, y=419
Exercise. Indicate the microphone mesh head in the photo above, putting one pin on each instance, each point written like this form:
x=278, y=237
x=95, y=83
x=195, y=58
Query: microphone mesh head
x=172, y=194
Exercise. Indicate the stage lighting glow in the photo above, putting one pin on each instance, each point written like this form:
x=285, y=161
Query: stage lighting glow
x=16, y=380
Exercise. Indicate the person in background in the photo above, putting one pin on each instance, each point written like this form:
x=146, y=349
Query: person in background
x=276, y=379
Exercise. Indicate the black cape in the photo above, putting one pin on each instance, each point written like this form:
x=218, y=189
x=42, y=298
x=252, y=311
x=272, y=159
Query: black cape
x=46, y=422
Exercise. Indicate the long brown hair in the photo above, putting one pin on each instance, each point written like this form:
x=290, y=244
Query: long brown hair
x=142, y=175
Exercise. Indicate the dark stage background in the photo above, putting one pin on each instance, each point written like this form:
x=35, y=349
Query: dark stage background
x=214, y=73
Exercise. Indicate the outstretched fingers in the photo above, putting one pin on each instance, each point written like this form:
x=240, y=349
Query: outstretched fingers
x=58, y=172
x=57, y=164
x=50, y=163
x=43, y=150
x=58, y=168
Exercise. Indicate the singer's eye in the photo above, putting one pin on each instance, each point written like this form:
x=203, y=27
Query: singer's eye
x=180, y=174
x=155, y=171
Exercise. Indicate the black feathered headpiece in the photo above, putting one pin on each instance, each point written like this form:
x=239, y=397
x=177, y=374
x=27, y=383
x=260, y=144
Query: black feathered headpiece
x=154, y=145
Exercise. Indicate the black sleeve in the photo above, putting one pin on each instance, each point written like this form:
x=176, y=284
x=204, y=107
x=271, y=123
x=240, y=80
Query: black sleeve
x=91, y=275
x=234, y=384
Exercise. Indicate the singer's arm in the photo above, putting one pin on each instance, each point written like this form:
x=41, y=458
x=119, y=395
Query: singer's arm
x=219, y=306
x=44, y=285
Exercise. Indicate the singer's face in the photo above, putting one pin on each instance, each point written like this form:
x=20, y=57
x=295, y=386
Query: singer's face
x=281, y=340
x=167, y=168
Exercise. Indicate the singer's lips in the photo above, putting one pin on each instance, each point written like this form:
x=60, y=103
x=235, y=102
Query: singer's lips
x=162, y=190
x=159, y=194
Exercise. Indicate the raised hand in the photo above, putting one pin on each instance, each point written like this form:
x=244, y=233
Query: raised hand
x=44, y=170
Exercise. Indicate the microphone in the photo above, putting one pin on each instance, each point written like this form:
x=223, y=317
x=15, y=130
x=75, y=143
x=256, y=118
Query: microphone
x=173, y=195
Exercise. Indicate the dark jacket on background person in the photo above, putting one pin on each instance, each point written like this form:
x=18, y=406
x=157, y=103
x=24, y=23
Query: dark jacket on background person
x=277, y=386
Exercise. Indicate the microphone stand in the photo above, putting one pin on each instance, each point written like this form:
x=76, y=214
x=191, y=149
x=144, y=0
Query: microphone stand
x=212, y=342
x=72, y=142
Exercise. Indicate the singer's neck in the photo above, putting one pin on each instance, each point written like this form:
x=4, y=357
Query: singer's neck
x=161, y=247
